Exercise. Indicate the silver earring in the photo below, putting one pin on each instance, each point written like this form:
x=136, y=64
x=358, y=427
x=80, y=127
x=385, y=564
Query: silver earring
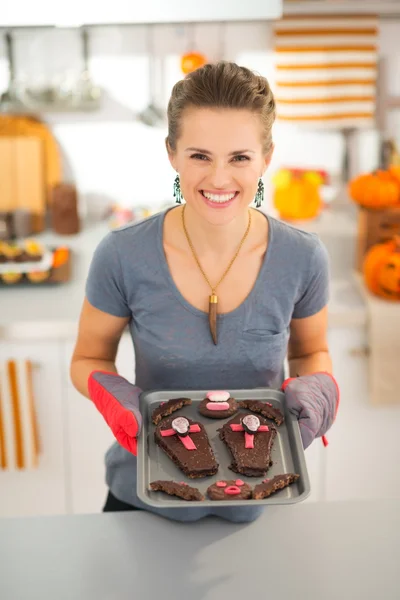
x=259, y=197
x=177, y=190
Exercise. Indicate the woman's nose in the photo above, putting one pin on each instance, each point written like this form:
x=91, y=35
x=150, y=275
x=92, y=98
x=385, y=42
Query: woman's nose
x=220, y=176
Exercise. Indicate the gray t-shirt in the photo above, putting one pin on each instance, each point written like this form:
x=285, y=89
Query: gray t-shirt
x=129, y=277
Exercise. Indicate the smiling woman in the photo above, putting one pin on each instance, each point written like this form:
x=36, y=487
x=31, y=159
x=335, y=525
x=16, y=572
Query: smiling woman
x=215, y=292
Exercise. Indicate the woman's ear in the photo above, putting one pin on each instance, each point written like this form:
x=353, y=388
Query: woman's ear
x=267, y=158
x=171, y=154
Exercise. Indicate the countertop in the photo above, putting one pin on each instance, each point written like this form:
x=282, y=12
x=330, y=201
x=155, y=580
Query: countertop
x=315, y=551
x=52, y=312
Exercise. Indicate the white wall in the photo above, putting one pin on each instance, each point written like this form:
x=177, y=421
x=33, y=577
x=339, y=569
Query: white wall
x=111, y=156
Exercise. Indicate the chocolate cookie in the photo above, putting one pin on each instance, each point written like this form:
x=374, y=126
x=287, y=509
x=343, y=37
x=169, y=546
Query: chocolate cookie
x=218, y=405
x=187, y=445
x=249, y=439
x=263, y=408
x=167, y=408
x=181, y=489
x=233, y=489
x=270, y=486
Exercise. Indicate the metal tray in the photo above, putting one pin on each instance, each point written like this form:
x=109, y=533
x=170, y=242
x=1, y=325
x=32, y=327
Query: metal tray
x=153, y=463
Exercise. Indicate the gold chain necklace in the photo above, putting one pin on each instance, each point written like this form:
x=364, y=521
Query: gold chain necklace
x=213, y=302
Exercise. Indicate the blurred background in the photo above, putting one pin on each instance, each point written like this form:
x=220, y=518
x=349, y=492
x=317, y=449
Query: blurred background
x=83, y=97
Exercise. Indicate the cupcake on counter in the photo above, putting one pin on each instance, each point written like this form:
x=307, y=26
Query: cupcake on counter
x=11, y=278
x=33, y=250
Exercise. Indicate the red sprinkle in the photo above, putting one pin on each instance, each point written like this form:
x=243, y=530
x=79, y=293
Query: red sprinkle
x=239, y=482
x=182, y=483
x=268, y=403
x=221, y=484
x=265, y=480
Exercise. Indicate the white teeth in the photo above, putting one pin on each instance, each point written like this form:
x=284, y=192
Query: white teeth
x=219, y=197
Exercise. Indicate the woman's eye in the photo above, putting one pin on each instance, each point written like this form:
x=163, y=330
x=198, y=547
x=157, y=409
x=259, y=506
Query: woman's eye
x=240, y=158
x=199, y=156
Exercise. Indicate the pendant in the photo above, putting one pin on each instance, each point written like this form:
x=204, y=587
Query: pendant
x=212, y=317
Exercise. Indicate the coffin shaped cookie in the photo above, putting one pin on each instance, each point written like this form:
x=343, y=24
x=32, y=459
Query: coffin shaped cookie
x=218, y=405
x=249, y=439
x=187, y=445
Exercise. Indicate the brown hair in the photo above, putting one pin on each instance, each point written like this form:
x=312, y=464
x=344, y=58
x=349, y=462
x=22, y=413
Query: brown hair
x=221, y=85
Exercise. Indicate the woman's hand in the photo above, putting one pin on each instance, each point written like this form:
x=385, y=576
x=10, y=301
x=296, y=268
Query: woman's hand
x=314, y=399
x=118, y=401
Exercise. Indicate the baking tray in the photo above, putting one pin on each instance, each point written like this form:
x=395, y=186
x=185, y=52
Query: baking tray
x=152, y=464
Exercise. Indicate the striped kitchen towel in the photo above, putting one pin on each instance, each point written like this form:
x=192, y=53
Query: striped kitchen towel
x=326, y=70
x=19, y=438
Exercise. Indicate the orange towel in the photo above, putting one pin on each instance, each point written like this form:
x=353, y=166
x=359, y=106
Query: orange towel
x=19, y=437
x=326, y=69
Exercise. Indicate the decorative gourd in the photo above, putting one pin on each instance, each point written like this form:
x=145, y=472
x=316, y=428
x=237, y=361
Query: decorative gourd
x=382, y=269
x=296, y=196
x=375, y=190
x=192, y=61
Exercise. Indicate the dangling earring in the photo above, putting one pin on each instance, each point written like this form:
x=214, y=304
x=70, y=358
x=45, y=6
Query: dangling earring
x=259, y=197
x=177, y=190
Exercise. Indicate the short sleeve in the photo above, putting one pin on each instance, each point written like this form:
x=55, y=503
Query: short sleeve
x=315, y=294
x=105, y=288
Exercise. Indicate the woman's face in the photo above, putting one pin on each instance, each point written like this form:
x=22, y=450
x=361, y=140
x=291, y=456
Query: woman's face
x=219, y=157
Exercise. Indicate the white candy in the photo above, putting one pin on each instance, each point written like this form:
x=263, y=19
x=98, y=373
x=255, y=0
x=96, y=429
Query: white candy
x=251, y=422
x=218, y=396
x=180, y=425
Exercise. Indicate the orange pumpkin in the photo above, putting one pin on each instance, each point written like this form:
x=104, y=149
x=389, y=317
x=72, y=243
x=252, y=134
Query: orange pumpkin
x=382, y=269
x=298, y=199
x=192, y=61
x=395, y=174
x=375, y=190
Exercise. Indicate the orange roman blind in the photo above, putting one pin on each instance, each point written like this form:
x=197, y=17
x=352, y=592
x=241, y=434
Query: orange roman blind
x=326, y=69
x=19, y=437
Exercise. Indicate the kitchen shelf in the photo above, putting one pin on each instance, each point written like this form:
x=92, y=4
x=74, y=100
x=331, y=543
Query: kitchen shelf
x=389, y=8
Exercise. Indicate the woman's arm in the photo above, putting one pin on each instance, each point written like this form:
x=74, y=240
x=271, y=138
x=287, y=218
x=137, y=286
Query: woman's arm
x=308, y=347
x=96, y=347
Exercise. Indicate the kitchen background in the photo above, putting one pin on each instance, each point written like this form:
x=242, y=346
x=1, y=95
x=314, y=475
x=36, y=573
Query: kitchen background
x=117, y=169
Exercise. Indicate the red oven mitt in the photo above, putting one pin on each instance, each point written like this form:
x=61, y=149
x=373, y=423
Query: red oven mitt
x=314, y=399
x=118, y=401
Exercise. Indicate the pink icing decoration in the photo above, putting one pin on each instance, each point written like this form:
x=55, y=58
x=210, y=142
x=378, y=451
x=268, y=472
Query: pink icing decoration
x=221, y=484
x=263, y=428
x=188, y=443
x=249, y=440
x=232, y=490
x=217, y=405
x=195, y=428
x=167, y=432
x=182, y=483
x=268, y=403
x=236, y=427
x=218, y=396
x=239, y=482
x=265, y=480
x=162, y=403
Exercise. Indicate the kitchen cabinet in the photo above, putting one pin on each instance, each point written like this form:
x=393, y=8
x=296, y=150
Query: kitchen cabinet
x=40, y=491
x=21, y=13
x=89, y=436
x=364, y=452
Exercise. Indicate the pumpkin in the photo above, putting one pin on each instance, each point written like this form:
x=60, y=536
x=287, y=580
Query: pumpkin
x=192, y=61
x=381, y=269
x=296, y=197
x=395, y=173
x=375, y=190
